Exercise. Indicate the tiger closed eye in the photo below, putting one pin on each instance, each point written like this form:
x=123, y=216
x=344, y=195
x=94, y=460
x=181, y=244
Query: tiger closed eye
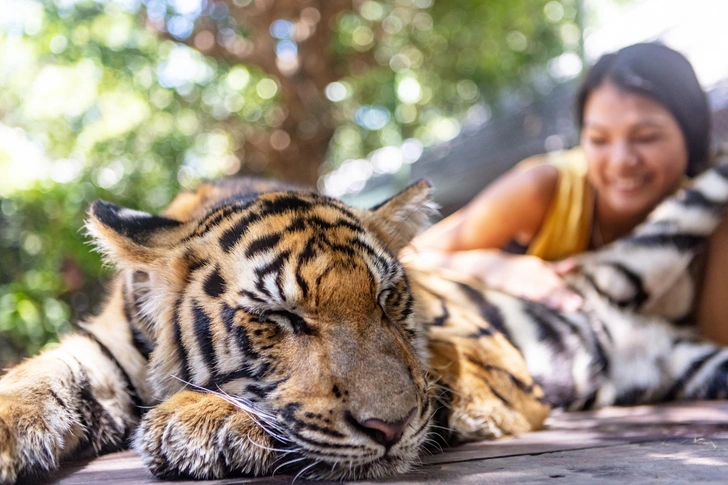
x=290, y=319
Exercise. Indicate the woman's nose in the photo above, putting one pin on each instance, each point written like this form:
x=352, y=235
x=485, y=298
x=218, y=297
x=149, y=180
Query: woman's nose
x=623, y=155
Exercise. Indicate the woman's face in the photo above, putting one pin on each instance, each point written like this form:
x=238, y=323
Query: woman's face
x=635, y=150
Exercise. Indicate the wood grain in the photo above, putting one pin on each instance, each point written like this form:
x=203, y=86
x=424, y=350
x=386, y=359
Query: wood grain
x=680, y=443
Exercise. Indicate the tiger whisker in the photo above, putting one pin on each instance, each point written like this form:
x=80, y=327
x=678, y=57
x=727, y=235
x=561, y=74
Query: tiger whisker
x=304, y=471
x=433, y=442
x=243, y=406
x=263, y=447
x=288, y=463
x=247, y=405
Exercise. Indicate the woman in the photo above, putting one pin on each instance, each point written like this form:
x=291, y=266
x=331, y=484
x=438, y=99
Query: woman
x=645, y=127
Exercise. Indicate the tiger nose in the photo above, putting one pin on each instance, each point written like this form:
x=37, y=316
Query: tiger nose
x=382, y=432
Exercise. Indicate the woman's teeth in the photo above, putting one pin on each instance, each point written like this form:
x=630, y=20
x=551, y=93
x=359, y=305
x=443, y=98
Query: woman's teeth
x=628, y=184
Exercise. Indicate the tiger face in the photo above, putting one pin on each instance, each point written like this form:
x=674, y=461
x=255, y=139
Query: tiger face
x=294, y=307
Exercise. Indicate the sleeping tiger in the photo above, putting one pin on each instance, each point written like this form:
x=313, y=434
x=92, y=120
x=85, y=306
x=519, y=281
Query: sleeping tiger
x=255, y=328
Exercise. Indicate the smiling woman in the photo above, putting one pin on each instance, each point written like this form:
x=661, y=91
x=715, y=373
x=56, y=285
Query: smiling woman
x=645, y=127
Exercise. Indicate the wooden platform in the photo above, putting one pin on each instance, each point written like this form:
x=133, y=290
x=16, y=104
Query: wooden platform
x=674, y=444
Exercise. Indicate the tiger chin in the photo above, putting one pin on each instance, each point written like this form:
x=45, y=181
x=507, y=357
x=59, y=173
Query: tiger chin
x=251, y=329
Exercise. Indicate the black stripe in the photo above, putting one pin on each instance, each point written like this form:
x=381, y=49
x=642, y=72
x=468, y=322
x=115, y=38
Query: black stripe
x=217, y=215
x=682, y=242
x=347, y=251
x=336, y=204
x=319, y=223
x=716, y=387
x=309, y=251
x=380, y=262
x=138, y=408
x=218, y=381
x=545, y=319
x=184, y=366
x=215, y=284
x=261, y=390
x=679, y=385
x=139, y=340
x=301, y=283
x=138, y=228
x=695, y=198
x=409, y=305
x=252, y=296
x=263, y=244
x=321, y=444
x=239, y=331
x=202, y=325
x=488, y=311
x=274, y=266
x=522, y=386
x=286, y=202
x=297, y=225
x=640, y=294
x=631, y=397
x=317, y=285
x=61, y=403
x=590, y=401
x=722, y=170
x=102, y=432
x=231, y=236
x=501, y=397
x=440, y=321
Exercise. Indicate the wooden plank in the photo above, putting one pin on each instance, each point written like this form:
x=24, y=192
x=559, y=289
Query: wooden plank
x=574, y=448
x=126, y=468
x=597, y=429
x=675, y=462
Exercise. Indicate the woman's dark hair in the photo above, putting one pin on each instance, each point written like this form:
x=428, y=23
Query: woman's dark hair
x=666, y=76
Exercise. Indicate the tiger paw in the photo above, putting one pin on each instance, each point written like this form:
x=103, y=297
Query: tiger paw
x=204, y=437
x=29, y=445
x=490, y=392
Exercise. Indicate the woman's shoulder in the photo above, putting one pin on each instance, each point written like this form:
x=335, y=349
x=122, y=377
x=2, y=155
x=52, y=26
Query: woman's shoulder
x=535, y=179
x=516, y=202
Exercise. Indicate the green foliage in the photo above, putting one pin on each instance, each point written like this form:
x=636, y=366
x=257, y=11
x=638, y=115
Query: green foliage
x=87, y=113
x=99, y=99
x=434, y=61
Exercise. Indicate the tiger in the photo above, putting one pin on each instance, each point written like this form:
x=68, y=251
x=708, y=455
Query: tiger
x=254, y=328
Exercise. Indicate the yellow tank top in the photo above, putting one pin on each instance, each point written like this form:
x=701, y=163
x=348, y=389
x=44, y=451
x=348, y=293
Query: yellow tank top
x=566, y=229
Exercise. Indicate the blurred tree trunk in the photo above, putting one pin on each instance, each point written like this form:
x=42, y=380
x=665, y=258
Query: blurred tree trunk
x=295, y=147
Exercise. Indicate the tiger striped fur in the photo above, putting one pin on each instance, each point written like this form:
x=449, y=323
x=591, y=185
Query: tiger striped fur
x=254, y=328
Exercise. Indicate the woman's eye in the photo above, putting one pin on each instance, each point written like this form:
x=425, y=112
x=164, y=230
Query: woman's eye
x=598, y=141
x=647, y=138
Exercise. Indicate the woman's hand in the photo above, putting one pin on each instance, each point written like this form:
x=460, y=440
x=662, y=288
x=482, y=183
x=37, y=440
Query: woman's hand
x=524, y=276
x=535, y=279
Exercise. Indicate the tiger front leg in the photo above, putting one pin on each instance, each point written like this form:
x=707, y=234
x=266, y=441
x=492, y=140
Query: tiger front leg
x=61, y=404
x=486, y=389
x=203, y=436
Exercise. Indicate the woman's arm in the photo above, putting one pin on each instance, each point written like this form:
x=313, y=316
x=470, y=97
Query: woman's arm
x=513, y=207
x=712, y=310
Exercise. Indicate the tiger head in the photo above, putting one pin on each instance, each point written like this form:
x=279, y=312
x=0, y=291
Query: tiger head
x=290, y=304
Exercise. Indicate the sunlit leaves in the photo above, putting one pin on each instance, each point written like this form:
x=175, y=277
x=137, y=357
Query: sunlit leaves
x=130, y=100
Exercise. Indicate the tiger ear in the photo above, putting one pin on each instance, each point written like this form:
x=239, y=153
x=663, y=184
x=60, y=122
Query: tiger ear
x=405, y=215
x=130, y=238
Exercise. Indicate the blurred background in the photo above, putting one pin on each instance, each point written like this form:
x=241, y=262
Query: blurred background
x=131, y=100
